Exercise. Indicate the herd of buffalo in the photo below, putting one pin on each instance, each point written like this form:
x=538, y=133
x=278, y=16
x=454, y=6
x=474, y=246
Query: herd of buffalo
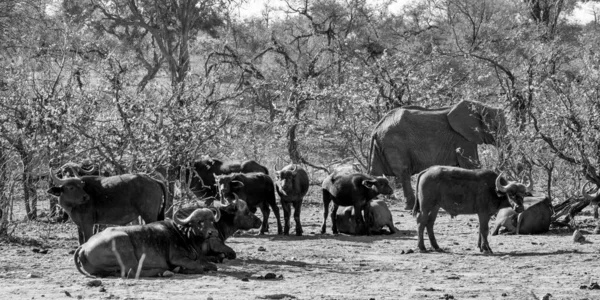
x=193, y=240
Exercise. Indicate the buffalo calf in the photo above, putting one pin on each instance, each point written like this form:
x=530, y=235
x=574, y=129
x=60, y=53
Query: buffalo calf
x=257, y=189
x=292, y=186
x=347, y=189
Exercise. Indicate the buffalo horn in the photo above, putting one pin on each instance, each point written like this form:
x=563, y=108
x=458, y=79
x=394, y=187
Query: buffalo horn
x=57, y=181
x=90, y=171
x=217, y=212
x=529, y=185
x=294, y=167
x=499, y=185
x=587, y=196
x=196, y=216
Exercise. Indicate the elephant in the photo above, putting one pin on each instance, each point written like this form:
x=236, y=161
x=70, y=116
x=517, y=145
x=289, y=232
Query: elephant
x=408, y=140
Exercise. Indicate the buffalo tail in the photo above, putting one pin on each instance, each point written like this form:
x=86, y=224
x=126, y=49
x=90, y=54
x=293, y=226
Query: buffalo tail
x=161, y=213
x=417, y=206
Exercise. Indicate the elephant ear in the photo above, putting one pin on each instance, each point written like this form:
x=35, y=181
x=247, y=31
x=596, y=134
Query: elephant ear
x=465, y=118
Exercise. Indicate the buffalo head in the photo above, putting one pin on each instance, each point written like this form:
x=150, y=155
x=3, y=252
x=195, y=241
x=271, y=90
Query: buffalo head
x=515, y=191
x=228, y=186
x=238, y=209
x=379, y=185
x=285, y=179
x=70, y=191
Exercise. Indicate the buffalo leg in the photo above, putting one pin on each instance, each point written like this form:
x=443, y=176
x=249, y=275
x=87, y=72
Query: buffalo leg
x=484, y=229
x=80, y=235
x=275, y=208
x=264, y=209
x=422, y=218
x=430, y=221
x=496, y=228
x=287, y=211
x=360, y=220
x=326, y=201
x=297, y=210
x=334, y=228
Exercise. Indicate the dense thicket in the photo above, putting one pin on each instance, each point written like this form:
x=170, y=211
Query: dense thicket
x=151, y=85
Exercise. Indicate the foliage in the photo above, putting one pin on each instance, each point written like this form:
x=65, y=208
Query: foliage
x=152, y=85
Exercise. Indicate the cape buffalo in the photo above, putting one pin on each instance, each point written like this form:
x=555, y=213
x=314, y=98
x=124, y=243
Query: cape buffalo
x=115, y=200
x=193, y=247
x=462, y=191
x=536, y=217
x=235, y=215
x=202, y=181
x=256, y=189
x=351, y=190
x=292, y=186
x=377, y=215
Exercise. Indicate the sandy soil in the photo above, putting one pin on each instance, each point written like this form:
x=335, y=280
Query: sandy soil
x=326, y=266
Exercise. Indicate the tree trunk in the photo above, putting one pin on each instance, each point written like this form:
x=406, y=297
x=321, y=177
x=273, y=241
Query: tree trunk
x=4, y=200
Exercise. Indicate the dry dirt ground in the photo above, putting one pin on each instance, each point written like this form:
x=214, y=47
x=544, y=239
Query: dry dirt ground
x=327, y=266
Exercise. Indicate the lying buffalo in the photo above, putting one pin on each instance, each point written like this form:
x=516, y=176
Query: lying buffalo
x=535, y=219
x=377, y=215
x=461, y=191
x=202, y=182
x=115, y=200
x=191, y=247
x=257, y=189
x=292, y=186
x=235, y=216
x=351, y=189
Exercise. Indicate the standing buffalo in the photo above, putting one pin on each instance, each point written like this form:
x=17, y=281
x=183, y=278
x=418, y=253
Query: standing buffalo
x=115, y=200
x=235, y=215
x=377, y=215
x=460, y=191
x=70, y=169
x=351, y=190
x=536, y=217
x=256, y=189
x=408, y=140
x=292, y=186
x=202, y=181
x=192, y=247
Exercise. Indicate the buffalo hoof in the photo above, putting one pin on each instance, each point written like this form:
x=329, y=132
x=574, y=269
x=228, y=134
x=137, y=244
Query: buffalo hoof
x=423, y=250
x=440, y=250
x=298, y=233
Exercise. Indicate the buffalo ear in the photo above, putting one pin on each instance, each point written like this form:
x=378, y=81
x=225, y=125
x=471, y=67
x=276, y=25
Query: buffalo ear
x=465, y=118
x=278, y=174
x=369, y=183
x=56, y=191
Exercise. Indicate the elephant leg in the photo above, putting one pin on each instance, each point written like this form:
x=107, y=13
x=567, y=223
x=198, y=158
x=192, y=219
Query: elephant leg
x=484, y=230
x=409, y=193
x=334, y=228
x=287, y=211
x=297, y=210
